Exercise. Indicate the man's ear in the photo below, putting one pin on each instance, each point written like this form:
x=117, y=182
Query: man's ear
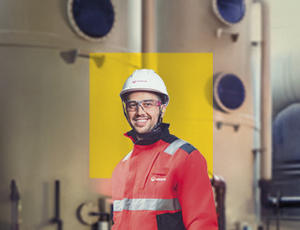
x=163, y=110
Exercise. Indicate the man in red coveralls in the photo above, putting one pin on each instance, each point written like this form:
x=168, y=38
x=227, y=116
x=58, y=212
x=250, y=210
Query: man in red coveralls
x=162, y=183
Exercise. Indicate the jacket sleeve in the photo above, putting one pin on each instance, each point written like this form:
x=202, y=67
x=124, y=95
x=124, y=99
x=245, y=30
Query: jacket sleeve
x=195, y=194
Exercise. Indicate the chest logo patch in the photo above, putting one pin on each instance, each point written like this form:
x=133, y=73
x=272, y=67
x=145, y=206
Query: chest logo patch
x=158, y=178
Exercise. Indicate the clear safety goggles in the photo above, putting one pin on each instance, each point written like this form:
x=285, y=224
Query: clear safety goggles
x=132, y=106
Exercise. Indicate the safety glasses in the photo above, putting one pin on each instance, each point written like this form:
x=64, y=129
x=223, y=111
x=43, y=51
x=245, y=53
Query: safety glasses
x=132, y=106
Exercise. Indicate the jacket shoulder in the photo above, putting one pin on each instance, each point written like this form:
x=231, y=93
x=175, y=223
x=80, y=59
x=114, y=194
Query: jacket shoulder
x=188, y=148
x=179, y=144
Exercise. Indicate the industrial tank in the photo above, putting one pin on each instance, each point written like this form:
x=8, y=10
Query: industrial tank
x=45, y=109
x=285, y=72
x=191, y=26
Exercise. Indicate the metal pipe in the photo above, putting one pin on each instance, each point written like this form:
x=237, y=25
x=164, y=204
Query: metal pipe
x=284, y=218
x=256, y=61
x=284, y=201
x=148, y=26
x=266, y=96
x=56, y=219
x=148, y=34
x=134, y=28
x=219, y=185
x=15, y=208
x=57, y=200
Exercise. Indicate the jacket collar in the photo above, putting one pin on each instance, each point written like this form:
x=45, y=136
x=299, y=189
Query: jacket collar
x=149, y=138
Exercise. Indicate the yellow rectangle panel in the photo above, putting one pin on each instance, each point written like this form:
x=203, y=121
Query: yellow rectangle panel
x=188, y=77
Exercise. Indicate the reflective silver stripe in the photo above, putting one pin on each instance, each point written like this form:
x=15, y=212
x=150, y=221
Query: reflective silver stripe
x=146, y=204
x=174, y=146
x=127, y=156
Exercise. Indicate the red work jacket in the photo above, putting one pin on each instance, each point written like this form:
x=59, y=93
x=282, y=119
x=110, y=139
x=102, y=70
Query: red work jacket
x=163, y=185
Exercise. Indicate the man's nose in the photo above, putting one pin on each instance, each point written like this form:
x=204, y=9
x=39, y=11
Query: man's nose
x=140, y=109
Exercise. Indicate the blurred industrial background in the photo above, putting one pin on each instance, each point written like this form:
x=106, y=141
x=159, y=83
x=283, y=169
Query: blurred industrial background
x=44, y=101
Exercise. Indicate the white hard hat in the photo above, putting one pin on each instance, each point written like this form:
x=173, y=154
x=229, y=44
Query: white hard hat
x=145, y=80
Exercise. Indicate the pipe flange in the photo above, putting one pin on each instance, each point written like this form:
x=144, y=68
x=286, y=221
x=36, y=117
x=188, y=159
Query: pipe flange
x=224, y=20
x=84, y=213
x=92, y=36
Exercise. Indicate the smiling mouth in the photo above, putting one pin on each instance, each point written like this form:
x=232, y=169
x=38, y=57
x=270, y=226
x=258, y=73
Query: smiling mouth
x=141, y=121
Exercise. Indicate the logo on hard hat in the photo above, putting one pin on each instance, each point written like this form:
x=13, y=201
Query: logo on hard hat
x=135, y=81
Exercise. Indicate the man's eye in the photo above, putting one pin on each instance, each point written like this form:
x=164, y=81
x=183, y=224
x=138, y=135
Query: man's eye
x=147, y=104
x=131, y=105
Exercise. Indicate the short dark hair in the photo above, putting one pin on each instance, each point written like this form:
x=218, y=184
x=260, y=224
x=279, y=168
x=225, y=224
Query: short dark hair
x=162, y=97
